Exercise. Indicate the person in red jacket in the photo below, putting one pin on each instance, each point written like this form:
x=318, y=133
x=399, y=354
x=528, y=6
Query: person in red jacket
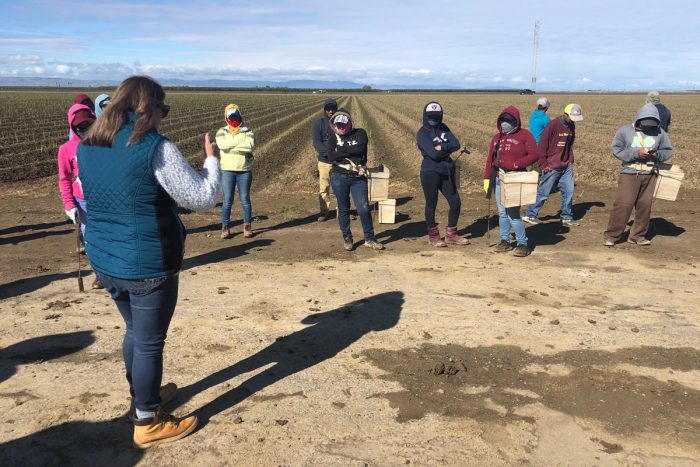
x=557, y=165
x=512, y=148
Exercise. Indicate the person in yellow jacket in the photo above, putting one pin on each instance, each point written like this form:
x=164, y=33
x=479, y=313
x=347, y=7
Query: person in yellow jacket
x=236, y=143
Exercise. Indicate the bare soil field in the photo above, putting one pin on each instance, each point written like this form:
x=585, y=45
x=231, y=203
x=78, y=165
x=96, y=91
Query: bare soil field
x=295, y=352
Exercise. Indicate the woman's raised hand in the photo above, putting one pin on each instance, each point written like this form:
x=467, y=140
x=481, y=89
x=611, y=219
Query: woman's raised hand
x=210, y=147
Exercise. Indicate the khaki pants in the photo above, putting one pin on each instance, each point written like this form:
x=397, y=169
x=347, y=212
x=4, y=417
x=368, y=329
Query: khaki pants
x=324, y=187
x=633, y=192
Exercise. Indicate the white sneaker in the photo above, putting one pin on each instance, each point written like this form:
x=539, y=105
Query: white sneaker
x=531, y=220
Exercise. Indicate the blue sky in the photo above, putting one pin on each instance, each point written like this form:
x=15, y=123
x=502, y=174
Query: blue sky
x=594, y=44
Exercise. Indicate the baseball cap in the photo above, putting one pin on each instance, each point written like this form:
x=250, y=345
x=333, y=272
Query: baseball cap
x=82, y=116
x=574, y=112
x=542, y=103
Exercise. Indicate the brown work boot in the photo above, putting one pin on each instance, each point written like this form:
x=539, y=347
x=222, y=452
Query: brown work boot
x=167, y=393
x=96, y=285
x=452, y=236
x=247, y=230
x=225, y=232
x=162, y=428
x=434, y=237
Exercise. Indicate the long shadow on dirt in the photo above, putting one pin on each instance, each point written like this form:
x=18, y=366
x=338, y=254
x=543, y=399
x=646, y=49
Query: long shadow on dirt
x=329, y=332
x=405, y=230
x=42, y=226
x=492, y=383
x=41, y=349
x=30, y=284
x=662, y=227
x=479, y=228
x=292, y=223
x=224, y=254
x=33, y=236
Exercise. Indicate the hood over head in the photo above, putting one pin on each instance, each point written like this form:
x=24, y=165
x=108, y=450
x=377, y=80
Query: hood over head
x=85, y=100
x=647, y=112
x=79, y=114
x=100, y=102
x=512, y=112
x=233, y=117
x=341, y=122
x=330, y=103
x=653, y=97
x=432, y=114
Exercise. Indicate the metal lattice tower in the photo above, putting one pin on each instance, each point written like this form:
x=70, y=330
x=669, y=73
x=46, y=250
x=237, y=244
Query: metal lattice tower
x=535, y=49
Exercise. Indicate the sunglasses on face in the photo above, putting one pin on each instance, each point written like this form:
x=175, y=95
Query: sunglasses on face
x=164, y=108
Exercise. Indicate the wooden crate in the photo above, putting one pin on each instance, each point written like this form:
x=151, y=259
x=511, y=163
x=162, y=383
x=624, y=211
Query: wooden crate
x=387, y=211
x=518, y=188
x=378, y=183
x=668, y=182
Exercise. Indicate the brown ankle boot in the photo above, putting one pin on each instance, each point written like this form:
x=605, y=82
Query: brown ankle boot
x=434, y=237
x=453, y=237
x=247, y=230
x=162, y=428
x=225, y=232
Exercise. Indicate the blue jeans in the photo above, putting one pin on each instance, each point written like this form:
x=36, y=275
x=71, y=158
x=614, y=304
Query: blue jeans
x=509, y=217
x=147, y=305
x=344, y=186
x=230, y=179
x=81, y=204
x=564, y=179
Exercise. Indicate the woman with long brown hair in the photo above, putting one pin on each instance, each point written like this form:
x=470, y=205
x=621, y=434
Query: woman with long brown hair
x=133, y=180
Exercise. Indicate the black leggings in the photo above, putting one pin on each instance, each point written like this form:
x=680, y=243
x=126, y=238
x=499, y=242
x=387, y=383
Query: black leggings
x=431, y=183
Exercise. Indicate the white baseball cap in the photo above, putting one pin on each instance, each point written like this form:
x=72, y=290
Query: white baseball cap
x=542, y=103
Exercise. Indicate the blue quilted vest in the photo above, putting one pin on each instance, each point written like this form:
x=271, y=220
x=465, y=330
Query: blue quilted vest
x=134, y=231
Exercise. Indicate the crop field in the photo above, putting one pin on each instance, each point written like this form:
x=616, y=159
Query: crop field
x=33, y=125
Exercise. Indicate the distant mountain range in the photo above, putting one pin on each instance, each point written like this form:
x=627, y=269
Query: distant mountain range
x=207, y=83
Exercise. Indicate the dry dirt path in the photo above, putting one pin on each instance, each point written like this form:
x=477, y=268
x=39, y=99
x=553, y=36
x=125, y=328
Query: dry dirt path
x=294, y=352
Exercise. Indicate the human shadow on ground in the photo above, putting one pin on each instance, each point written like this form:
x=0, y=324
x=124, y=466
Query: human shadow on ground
x=310, y=219
x=33, y=236
x=547, y=233
x=216, y=227
x=403, y=200
x=329, y=333
x=589, y=384
x=30, y=284
x=42, y=226
x=41, y=349
x=665, y=228
x=224, y=254
x=405, y=230
x=480, y=226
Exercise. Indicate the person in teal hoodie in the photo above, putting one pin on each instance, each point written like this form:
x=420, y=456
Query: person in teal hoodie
x=539, y=118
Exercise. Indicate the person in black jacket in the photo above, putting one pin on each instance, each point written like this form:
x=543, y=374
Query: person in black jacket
x=321, y=134
x=653, y=97
x=437, y=173
x=347, y=151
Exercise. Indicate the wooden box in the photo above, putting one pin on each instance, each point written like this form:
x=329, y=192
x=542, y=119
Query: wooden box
x=518, y=188
x=378, y=183
x=387, y=211
x=668, y=182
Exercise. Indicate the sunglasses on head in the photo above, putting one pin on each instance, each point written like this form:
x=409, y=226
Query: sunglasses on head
x=104, y=103
x=164, y=108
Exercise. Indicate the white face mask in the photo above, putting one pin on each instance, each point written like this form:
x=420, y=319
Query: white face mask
x=507, y=127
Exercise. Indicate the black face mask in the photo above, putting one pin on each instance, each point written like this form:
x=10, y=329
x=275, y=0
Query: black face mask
x=434, y=118
x=81, y=130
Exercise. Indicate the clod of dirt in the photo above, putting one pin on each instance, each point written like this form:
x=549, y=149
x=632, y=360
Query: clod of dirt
x=427, y=335
x=222, y=288
x=544, y=294
x=602, y=312
x=536, y=313
x=635, y=329
x=58, y=304
x=238, y=420
x=338, y=405
x=193, y=273
x=221, y=292
x=554, y=321
x=612, y=328
x=608, y=448
x=313, y=308
x=495, y=310
x=439, y=369
x=53, y=316
x=592, y=321
x=281, y=422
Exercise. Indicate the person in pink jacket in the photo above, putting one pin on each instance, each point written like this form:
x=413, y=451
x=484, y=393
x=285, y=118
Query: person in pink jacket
x=80, y=118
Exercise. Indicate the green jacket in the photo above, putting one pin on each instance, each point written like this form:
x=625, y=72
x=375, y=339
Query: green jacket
x=236, y=149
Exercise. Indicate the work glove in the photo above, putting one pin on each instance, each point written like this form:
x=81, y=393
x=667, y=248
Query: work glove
x=486, y=185
x=73, y=215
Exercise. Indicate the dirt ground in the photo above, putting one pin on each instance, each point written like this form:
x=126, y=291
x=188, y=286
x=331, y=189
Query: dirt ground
x=295, y=352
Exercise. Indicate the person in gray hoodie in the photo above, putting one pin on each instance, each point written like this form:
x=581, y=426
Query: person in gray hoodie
x=641, y=146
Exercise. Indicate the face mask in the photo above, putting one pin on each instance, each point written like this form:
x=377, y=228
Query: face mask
x=507, y=127
x=81, y=131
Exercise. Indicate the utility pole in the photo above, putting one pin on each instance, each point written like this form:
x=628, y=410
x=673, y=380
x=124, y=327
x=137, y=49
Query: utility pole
x=535, y=49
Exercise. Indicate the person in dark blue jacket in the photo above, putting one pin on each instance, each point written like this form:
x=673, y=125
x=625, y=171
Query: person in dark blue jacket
x=437, y=173
x=133, y=180
x=322, y=132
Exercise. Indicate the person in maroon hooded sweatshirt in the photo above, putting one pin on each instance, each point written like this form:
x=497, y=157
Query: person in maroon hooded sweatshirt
x=513, y=148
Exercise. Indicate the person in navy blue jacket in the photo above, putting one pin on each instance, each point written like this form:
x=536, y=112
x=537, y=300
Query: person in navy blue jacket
x=437, y=173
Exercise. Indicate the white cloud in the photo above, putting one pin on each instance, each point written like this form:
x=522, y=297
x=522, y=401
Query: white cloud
x=62, y=69
x=517, y=79
x=415, y=72
x=498, y=79
x=584, y=80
